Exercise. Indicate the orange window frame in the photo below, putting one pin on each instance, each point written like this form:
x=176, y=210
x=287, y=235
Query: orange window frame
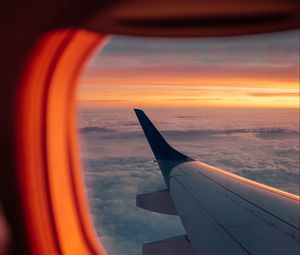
x=48, y=169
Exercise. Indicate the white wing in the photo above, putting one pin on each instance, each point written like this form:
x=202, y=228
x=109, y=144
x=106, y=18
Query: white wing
x=222, y=213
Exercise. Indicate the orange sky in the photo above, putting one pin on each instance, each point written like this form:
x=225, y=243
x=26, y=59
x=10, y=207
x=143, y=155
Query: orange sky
x=255, y=71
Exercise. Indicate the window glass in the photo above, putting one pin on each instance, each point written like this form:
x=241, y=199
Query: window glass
x=230, y=102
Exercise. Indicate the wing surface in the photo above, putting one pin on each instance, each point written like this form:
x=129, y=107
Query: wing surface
x=223, y=213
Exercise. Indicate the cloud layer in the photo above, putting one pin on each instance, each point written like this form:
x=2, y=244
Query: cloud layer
x=260, y=145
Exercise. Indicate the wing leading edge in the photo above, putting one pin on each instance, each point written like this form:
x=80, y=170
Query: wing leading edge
x=222, y=213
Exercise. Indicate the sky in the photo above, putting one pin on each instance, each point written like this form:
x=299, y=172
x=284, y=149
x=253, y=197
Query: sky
x=245, y=71
x=176, y=81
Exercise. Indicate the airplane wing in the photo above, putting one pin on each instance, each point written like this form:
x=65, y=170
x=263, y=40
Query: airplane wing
x=222, y=213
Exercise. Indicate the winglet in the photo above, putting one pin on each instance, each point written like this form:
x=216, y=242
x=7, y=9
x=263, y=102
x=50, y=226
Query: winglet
x=161, y=149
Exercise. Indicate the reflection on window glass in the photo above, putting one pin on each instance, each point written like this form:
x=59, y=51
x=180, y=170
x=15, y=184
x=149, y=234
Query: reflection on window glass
x=230, y=102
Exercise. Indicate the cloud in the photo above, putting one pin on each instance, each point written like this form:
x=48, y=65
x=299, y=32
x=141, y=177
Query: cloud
x=282, y=43
x=265, y=133
x=265, y=57
x=273, y=94
x=94, y=129
x=132, y=124
x=195, y=99
x=184, y=117
x=104, y=101
x=118, y=163
x=112, y=186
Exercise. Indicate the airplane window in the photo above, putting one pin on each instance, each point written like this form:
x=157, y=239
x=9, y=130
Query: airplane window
x=232, y=103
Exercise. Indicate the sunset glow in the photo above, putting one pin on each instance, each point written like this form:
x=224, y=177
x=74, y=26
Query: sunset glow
x=254, y=71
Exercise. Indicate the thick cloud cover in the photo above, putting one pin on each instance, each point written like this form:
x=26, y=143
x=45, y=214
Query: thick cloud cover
x=268, y=57
x=262, y=145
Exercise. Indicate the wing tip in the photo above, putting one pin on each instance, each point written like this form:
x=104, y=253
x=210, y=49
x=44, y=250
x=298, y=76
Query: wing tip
x=136, y=110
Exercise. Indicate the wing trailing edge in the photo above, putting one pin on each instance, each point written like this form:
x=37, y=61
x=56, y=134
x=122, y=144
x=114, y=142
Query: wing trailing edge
x=179, y=245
